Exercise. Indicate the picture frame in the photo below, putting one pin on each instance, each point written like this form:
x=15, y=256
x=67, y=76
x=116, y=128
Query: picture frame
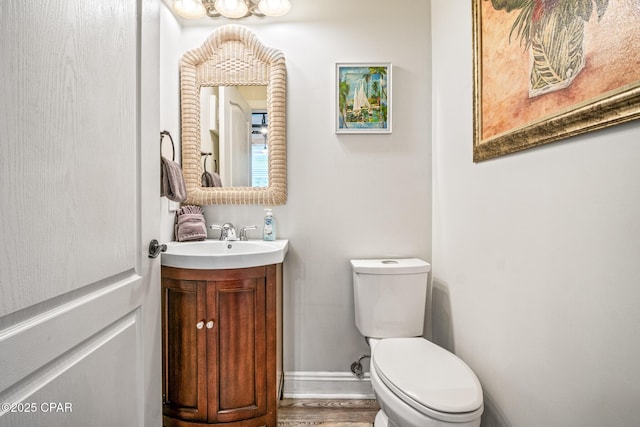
x=534, y=84
x=363, y=98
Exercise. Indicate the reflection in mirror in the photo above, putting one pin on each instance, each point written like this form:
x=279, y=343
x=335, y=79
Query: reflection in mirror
x=232, y=88
x=234, y=135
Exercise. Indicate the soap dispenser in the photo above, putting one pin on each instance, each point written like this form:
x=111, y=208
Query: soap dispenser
x=269, y=229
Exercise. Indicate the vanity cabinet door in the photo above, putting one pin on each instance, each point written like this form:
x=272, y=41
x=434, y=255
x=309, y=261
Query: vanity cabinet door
x=184, y=381
x=237, y=348
x=220, y=344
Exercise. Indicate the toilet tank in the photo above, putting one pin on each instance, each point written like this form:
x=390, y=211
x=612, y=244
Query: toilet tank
x=390, y=296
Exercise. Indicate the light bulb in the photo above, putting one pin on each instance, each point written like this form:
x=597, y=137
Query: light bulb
x=189, y=9
x=232, y=8
x=274, y=7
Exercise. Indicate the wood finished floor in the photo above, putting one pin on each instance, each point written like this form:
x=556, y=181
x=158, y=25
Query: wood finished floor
x=327, y=412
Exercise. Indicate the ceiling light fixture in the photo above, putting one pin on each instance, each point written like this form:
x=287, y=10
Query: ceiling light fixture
x=234, y=9
x=189, y=9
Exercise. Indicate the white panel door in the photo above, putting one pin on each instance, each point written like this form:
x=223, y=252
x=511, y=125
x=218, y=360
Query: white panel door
x=79, y=203
x=235, y=138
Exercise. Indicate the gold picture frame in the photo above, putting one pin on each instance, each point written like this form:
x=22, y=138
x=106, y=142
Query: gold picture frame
x=514, y=108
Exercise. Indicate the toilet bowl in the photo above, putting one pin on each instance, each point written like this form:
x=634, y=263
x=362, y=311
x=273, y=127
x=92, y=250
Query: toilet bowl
x=416, y=382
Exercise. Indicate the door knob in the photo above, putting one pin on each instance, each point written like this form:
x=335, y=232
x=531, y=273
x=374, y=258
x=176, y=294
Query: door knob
x=155, y=248
x=200, y=324
x=210, y=324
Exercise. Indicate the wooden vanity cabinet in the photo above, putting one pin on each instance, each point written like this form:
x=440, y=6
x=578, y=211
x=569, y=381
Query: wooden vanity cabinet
x=221, y=346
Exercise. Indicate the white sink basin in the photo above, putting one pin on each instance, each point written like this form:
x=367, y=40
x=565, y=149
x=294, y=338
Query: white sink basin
x=220, y=254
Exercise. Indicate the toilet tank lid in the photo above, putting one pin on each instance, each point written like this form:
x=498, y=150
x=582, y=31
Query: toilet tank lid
x=390, y=266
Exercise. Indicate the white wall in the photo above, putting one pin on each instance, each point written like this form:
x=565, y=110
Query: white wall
x=170, y=52
x=535, y=258
x=350, y=196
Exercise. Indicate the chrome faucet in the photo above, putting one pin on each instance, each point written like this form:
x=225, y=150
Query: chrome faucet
x=227, y=231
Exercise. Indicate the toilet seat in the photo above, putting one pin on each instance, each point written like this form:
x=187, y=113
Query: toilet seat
x=428, y=378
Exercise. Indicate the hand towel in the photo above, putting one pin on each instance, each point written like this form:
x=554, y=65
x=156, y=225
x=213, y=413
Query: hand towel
x=172, y=182
x=211, y=180
x=207, y=179
x=217, y=182
x=190, y=224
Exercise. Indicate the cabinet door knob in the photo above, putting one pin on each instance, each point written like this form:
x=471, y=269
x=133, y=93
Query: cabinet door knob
x=210, y=324
x=200, y=324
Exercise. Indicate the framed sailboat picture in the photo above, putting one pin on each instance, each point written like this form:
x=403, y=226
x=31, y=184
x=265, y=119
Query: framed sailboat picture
x=363, y=97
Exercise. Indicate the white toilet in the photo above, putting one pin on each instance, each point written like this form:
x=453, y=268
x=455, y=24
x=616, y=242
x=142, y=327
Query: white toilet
x=416, y=383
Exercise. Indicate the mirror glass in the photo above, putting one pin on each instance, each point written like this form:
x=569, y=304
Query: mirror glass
x=233, y=120
x=234, y=136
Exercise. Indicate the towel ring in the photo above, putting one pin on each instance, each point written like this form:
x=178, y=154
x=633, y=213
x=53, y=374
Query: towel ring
x=204, y=161
x=173, y=147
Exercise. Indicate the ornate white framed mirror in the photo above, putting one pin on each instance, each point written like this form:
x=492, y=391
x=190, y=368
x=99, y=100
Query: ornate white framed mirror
x=232, y=60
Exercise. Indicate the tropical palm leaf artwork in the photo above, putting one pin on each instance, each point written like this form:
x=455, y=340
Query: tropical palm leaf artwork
x=553, y=31
x=363, y=97
x=547, y=70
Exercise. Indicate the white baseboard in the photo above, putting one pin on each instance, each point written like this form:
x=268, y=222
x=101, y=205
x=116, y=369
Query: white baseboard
x=326, y=385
